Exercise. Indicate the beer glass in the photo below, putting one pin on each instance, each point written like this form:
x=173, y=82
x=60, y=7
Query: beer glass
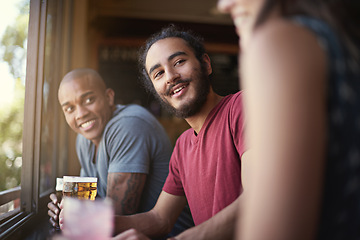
x=80, y=187
x=59, y=189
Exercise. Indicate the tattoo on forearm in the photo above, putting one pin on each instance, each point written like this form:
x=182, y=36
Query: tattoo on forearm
x=132, y=195
x=126, y=195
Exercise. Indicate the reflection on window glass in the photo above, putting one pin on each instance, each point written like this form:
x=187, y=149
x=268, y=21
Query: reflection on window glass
x=49, y=122
x=14, y=18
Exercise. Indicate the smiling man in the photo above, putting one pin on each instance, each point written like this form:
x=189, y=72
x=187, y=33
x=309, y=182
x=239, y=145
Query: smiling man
x=124, y=146
x=169, y=94
x=205, y=166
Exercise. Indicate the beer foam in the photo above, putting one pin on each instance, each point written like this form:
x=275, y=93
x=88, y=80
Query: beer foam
x=79, y=179
x=59, y=184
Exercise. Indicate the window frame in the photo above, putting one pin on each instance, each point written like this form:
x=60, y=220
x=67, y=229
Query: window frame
x=33, y=203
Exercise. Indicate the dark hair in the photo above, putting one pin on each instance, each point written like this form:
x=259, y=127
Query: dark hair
x=342, y=15
x=193, y=40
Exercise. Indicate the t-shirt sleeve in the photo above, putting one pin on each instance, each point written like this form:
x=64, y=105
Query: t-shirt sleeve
x=173, y=184
x=238, y=123
x=82, y=173
x=128, y=143
x=83, y=151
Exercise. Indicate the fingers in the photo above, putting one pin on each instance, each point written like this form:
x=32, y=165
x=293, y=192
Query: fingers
x=54, y=208
x=61, y=219
x=61, y=205
x=53, y=198
x=61, y=225
x=52, y=214
x=53, y=223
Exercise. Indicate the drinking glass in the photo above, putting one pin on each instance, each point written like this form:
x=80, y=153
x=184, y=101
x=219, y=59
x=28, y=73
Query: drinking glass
x=80, y=187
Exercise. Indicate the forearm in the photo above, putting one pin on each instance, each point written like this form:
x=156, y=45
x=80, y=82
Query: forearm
x=220, y=226
x=158, y=221
x=125, y=190
x=148, y=223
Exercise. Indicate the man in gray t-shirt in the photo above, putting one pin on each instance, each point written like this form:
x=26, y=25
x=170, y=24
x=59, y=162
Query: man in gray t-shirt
x=125, y=147
x=133, y=142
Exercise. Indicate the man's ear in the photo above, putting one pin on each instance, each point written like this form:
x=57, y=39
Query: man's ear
x=207, y=62
x=110, y=94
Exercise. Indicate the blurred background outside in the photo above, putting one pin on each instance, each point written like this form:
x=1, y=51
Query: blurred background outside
x=14, y=18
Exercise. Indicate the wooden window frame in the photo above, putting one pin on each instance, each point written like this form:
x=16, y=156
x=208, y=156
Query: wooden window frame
x=33, y=204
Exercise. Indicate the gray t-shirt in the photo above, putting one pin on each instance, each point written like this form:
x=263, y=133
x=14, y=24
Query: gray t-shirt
x=133, y=142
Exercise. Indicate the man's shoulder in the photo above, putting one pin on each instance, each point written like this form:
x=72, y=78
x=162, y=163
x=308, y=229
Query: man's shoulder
x=131, y=110
x=127, y=113
x=185, y=137
x=234, y=100
x=229, y=103
x=131, y=117
x=235, y=97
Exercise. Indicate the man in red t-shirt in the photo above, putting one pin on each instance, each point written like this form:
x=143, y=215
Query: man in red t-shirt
x=205, y=167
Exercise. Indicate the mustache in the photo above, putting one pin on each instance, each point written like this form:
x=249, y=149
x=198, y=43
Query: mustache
x=168, y=90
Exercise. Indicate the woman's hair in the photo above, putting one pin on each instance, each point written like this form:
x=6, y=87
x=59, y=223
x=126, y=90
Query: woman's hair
x=341, y=15
x=194, y=41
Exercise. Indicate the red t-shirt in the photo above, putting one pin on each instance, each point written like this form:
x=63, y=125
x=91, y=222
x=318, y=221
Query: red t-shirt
x=206, y=168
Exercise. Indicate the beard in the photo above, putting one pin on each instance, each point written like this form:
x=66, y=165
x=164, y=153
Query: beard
x=193, y=106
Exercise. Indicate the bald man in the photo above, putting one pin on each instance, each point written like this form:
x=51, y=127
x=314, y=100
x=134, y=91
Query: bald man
x=124, y=146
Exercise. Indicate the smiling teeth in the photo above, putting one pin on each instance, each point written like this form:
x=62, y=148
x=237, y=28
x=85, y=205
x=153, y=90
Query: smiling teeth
x=178, y=90
x=84, y=125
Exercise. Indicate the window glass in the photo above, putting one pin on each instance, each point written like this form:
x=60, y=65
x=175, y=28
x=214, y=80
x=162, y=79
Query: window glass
x=49, y=108
x=14, y=18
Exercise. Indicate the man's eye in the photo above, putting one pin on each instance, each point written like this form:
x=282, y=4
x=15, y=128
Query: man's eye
x=179, y=62
x=158, y=74
x=68, y=109
x=88, y=100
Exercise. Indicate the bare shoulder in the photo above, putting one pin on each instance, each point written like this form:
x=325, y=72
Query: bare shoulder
x=283, y=47
x=284, y=38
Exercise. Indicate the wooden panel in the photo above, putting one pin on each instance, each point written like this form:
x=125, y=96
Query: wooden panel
x=199, y=11
x=79, y=57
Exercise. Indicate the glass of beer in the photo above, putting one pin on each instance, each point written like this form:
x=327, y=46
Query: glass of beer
x=80, y=187
x=59, y=189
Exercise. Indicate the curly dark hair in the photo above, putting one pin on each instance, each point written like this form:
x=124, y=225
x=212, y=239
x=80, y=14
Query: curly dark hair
x=193, y=40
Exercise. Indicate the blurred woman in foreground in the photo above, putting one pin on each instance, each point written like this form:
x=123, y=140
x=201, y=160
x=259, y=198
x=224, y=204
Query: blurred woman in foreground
x=301, y=76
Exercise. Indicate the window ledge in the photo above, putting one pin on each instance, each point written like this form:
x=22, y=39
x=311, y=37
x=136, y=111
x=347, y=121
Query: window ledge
x=11, y=224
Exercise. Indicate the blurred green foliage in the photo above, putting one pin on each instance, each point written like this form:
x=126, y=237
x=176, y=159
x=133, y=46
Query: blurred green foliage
x=13, y=52
x=14, y=41
x=11, y=126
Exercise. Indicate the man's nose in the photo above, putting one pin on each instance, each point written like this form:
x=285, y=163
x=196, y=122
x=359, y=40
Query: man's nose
x=171, y=76
x=81, y=112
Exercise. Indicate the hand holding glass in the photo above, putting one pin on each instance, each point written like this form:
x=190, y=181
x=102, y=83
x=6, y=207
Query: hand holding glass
x=80, y=187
